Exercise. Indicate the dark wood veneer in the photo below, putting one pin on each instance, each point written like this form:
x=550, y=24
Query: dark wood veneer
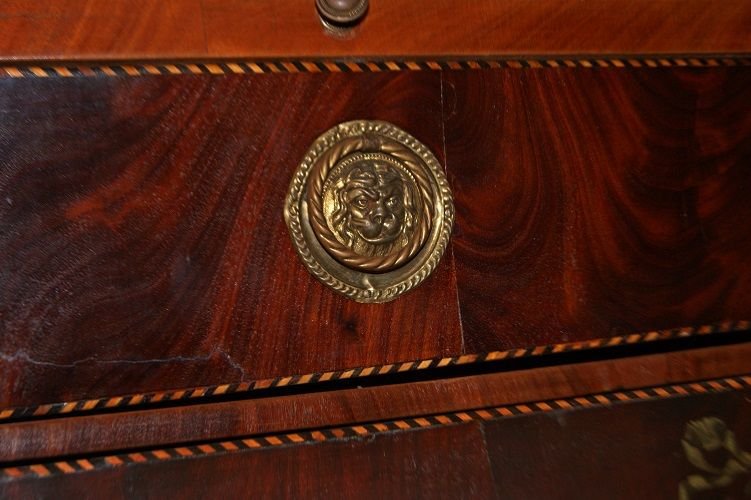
x=113, y=29
x=144, y=248
x=620, y=450
x=143, y=241
x=601, y=165
x=626, y=452
x=595, y=202
x=448, y=463
x=88, y=434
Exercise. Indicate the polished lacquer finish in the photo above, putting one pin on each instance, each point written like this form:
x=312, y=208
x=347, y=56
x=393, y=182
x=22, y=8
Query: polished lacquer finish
x=690, y=440
x=94, y=433
x=598, y=202
x=584, y=335
x=143, y=239
x=180, y=29
x=145, y=249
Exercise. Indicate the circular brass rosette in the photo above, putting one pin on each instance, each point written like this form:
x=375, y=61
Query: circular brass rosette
x=369, y=210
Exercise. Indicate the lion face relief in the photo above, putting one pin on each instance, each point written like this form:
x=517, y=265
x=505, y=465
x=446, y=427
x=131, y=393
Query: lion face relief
x=369, y=210
x=375, y=209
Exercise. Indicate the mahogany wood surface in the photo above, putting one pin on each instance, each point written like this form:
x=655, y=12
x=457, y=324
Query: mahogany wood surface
x=100, y=29
x=632, y=451
x=144, y=245
x=144, y=248
x=624, y=450
x=448, y=463
x=598, y=202
x=115, y=29
x=87, y=434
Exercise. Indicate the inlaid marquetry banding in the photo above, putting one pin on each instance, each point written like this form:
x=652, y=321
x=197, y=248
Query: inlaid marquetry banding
x=88, y=69
x=365, y=431
x=207, y=393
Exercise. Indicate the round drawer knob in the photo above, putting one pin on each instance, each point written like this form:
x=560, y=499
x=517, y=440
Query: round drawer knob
x=341, y=13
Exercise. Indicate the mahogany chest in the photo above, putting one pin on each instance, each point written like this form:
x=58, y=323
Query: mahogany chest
x=458, y=249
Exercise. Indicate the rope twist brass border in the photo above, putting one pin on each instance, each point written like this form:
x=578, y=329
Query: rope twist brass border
x=317, y=218
x=297, y=188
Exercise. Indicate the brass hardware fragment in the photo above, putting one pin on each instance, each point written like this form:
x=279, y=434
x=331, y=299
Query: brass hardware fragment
x=711, y=447
x=369, y=210
x=341, y=14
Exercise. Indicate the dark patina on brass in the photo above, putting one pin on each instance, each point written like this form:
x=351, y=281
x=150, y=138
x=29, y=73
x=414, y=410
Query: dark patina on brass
x=369, y=210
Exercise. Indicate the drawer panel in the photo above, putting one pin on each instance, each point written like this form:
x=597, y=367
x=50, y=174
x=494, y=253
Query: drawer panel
x=144, y=249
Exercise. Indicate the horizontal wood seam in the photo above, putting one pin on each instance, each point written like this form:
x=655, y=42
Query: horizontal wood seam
x=206, y=393
x=60, y=467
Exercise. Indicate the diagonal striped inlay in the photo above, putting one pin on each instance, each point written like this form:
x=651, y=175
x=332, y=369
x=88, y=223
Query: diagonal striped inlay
x=728, y=384
x=88, y=69
x=195, y=394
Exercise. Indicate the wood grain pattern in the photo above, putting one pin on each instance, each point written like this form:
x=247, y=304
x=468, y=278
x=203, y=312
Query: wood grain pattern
x=616, y=451
x=36, y=440
x=404, y=27
x=597, y=203
x=113, y=29
x=101, y=29
x=647, y=342
x=144, y=247
x=633, y=451
x=450, y=463
x=143, y=241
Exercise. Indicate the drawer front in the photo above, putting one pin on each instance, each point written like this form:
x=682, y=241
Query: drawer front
x=144, y=246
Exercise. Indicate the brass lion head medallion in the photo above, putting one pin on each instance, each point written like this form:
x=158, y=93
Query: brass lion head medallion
x=369, y=210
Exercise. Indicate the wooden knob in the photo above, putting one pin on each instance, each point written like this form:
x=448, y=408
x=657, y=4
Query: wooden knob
x=342, y=13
